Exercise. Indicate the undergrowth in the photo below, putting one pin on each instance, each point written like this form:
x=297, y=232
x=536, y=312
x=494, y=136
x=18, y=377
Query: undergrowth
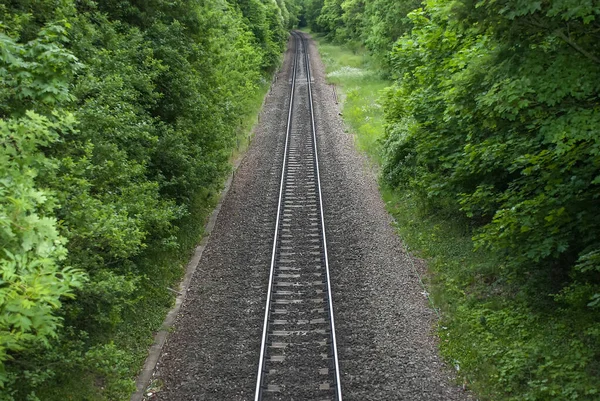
x=502, y=346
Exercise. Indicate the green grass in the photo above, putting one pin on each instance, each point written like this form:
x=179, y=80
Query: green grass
x=359, y=90
x=502, y=346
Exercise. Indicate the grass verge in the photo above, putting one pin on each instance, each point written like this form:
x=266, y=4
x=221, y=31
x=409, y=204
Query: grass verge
x=503, y=346
x=359, y=90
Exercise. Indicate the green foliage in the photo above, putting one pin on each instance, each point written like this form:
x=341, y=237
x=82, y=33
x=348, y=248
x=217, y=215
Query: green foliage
x=493, y=117
x=520, y=156
x=267, y=20
x=384, y=22
x=490, y=165
x=374, y=24
x=35, y=75
x=502, y=347
x=330, y=17
x=118, y=119
x=528, y=356
x=33, y=276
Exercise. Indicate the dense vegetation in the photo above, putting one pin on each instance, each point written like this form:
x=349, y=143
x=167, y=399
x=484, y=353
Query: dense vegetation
x=492, y=124
x=118, y=119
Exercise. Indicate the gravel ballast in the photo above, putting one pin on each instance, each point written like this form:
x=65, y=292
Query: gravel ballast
x=384, y=326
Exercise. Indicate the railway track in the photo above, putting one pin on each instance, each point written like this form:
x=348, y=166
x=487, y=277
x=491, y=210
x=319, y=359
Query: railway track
x=298, y=356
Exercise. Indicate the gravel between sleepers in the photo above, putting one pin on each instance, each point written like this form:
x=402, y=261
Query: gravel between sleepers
x=384, y=326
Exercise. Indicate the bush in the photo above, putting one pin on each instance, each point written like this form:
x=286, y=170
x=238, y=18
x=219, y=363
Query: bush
x=34, y=277
x=492, y=117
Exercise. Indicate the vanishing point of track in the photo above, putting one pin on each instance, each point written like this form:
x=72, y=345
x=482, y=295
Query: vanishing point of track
x=298, y=355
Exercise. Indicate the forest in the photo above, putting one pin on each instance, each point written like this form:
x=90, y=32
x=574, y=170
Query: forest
x=118, y=121
x=492, y=121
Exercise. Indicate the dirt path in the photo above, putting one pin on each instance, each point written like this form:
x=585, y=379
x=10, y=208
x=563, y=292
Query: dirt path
x=384, y=325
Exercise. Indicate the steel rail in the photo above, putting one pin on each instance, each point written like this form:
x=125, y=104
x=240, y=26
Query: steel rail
x=300, y=42
x=338, y=384
x=263, y=345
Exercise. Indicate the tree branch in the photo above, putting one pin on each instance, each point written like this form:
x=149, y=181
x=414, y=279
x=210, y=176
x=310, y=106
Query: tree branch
x=575, y=46
x=559, y=32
